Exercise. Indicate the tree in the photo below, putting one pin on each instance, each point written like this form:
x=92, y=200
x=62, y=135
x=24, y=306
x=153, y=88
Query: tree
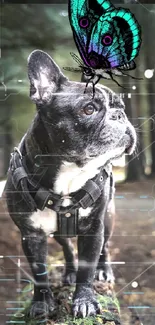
x=136, y=162
x=44, y=28
x=149, y=63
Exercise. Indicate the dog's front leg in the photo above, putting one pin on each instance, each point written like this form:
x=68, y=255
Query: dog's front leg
x=35, y=248
x=89, y=247
x=69, y=277
x=104, y=269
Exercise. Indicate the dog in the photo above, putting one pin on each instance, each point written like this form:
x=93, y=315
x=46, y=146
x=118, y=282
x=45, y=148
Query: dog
x=60, y=180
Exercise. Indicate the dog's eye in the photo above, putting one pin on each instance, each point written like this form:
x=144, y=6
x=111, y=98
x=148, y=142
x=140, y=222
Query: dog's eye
x=89, y=110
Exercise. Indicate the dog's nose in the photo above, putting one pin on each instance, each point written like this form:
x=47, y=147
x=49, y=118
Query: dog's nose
x=118, y=114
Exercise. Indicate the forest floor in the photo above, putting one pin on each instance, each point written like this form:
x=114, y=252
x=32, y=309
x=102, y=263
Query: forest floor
x=132, y=249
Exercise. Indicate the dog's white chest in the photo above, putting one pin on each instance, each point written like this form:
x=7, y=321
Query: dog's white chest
x=69, y=179
x=45, y=220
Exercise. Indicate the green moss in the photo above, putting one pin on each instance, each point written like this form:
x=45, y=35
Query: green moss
x=109, y=305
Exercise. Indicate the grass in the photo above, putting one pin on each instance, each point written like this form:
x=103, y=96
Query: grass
x=109, y=305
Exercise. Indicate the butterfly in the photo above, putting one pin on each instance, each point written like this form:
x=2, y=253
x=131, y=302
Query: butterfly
x=108, y=39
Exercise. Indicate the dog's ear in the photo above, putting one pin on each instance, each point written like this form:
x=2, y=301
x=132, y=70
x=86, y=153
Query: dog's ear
x=45, y=77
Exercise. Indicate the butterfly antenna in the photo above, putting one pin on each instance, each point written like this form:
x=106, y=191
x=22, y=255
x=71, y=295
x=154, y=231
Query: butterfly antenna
x=76, y=58
x=128, y=75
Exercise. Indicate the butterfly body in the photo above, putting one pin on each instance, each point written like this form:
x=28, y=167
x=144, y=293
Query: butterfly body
x=94, y=75
x=108, y=38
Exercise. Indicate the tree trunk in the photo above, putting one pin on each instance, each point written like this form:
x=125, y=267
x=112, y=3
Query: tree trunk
x=150, y=86
x=6, y=143
x=135, y=162
x=151, y=90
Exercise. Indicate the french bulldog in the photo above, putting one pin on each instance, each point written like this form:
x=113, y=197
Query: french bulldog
x=81, y=136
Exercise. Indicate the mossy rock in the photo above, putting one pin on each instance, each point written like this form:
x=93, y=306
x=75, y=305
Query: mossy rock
x=105, y=295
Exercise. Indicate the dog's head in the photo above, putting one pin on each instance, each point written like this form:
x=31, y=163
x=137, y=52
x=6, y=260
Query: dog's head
x=81, y=129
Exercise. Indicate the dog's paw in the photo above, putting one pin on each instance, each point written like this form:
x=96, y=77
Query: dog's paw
x=41, y=309
x=69, y=278
x=38, y=310
x=85, y=305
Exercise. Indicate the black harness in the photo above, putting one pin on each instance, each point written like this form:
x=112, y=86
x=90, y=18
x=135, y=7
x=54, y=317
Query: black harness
x=38, y=197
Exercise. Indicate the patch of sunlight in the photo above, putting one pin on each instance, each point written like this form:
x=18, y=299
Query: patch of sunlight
x=119, y=175
x=119, y=162
x=2, y=184
x=119, y=169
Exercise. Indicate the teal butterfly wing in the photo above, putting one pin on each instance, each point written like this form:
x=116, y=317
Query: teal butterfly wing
x=83, y=15
x=130, y=40
x=106, y=37
x=115, y=40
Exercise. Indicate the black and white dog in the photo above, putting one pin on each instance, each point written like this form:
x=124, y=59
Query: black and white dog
x=60, y=179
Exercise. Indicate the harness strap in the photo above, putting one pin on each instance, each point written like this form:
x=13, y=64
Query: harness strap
x=19, y=174
x=38, y=197
x=68, y=222
x=20, y=177
x=84, y=198
x=45, y=198
x=93, y=189
x=42, y=198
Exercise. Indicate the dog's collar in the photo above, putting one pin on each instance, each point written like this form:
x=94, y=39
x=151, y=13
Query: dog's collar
x=38, y=197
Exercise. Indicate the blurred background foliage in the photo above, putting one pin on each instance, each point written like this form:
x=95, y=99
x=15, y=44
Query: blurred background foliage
x=26, y=27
